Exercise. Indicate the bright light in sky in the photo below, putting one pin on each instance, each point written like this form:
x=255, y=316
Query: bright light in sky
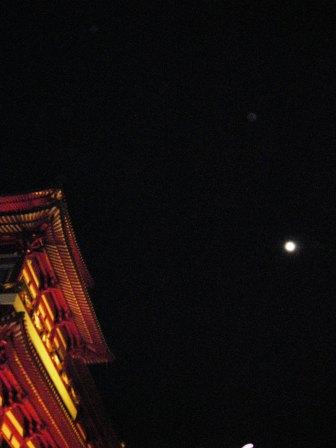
x=248, y=445
x=290, y=246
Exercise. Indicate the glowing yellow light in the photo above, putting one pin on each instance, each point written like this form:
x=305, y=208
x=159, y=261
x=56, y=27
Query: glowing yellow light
x=32, y=290
x=46, y=360
x=65, y=378
x=46, y=303
x=6, y=431
x=59, y=332
x=30, y=444
x=48, y=325
x=26, y=276
x=56, y=359
x=15, y=443
x=15, y=422
x=41, y=310
x=37, y=322
x=32, y=270
x=48, y=344
x=29, y=283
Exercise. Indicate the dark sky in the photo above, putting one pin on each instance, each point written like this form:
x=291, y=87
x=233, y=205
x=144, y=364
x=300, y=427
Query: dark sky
x=181, y=204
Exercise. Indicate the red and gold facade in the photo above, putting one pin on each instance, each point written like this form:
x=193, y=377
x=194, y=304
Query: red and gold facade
x=49, y=332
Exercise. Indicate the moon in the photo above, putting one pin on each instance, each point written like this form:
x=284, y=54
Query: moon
x=290, y=246
x=248, y=445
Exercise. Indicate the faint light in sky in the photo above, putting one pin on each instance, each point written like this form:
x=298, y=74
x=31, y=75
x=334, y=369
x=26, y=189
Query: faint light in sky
x=248, y=445
x=290, y=246
x=252, y=116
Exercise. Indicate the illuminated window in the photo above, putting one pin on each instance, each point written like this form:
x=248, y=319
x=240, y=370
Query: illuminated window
x=62, y=338
x=41, y=311
x=35, y=332
x=33, y=270
x=37, y=322
x=26, y=276
x=49, y=345
x=29, y=283
x=48, y=324
x=15, y=443
x=65, y=378
x=48, y=307
x=14, y=420
x=56, y=359
x=6, y=431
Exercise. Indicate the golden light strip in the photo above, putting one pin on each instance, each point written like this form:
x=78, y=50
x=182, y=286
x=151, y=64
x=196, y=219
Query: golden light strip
x=15, y=422
x=46, y=303
x=33, y=273
x=46, y=359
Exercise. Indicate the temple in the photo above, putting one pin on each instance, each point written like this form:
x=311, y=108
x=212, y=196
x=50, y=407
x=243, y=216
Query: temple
x=49, y=333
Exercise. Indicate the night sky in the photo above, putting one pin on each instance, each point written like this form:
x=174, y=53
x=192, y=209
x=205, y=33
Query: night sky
x=181, y=199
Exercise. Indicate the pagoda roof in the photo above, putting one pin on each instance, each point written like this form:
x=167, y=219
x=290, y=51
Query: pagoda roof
x=46, y=212
x=28, y=370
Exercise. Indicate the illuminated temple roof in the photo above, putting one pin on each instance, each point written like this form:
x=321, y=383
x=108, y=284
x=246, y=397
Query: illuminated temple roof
x=44, y=213
x=22, y=358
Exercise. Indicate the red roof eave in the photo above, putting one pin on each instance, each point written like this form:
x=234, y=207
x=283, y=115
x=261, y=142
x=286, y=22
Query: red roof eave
x=22, y=212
